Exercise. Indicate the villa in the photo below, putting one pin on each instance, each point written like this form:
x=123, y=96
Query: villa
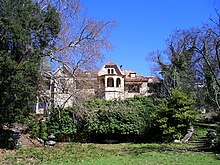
x=63, y=88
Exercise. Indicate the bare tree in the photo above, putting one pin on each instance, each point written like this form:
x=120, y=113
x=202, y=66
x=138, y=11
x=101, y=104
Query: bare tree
x=80, y=44
x=208, y=58
x=193, y=62
x=176, y=62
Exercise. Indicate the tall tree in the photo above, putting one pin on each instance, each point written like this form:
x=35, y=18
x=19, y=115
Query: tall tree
x=26, y=32
x=208, y=60
x=179, y=72
x=81, y=41
x=194, y=63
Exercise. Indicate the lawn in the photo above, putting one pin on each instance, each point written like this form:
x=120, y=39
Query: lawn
x=117, y=154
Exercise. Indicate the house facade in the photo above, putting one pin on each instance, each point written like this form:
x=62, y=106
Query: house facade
x=64, y=88
x=116, y=83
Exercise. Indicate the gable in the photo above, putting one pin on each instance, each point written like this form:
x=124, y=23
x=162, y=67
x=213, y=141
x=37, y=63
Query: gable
x=110, y=68
x=62, y=71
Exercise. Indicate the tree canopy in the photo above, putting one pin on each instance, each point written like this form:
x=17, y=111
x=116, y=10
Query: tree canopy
x=26, y=32
x=194, y=63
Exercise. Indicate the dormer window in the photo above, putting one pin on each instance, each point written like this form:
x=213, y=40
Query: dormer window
x=132, y=75
x=108, y=71
x=88, y=74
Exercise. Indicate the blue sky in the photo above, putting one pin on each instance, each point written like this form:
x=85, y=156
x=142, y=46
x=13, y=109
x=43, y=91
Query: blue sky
x=144, y=25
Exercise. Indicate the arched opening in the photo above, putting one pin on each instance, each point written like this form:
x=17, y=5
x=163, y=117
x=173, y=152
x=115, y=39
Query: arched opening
x=110, y=82
x=112, y=71
x=118, y=82
x=102, y=83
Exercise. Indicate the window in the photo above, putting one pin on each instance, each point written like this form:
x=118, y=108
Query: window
x=112, y=71
x=118, y=82
x=41, y=104
x=133, y=88
x=132, y=75
x=152, y=87
x=88, y=74
x=63, y=84
x=110, y=82
x=102, y=83
x=46, y=85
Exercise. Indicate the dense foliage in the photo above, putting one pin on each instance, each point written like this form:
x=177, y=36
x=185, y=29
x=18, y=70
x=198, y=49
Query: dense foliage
x=26, y=33
x=18, y=85
x=193, y=63
x=137, y=119
x=99, y=120
x=62, y=124
x=172, y=119
x=179, y=73
x=121, y=120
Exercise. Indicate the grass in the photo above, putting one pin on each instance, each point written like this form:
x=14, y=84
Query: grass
x=120, y=154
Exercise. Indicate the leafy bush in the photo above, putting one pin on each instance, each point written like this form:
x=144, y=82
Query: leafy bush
x=61, y=123
x=113, y=119
x=174, y=117
x=127, y=119
x=32, y=124
x=43, y=131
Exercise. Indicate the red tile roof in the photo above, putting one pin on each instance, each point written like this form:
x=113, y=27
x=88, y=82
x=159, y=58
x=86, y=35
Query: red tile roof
x=128, y=72
x=154, y=79
x=110, y=63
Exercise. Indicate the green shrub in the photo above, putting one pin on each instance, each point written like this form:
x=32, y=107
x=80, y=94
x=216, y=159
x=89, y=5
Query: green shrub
x=173, y=118
x=43, y=131
x=32, y=124
x=124, y=119
x=61, y=123
x=120, y=120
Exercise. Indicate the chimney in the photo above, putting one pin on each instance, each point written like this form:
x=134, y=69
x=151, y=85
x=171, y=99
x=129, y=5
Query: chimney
x=121, y=67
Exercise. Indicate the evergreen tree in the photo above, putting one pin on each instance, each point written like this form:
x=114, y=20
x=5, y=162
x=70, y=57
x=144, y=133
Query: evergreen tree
x=27, y=32
x=174, y=117
x=180, y=73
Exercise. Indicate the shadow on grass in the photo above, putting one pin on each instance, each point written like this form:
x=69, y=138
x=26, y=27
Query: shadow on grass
x=136, y=149
x=163, y=147
x=214, y=150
